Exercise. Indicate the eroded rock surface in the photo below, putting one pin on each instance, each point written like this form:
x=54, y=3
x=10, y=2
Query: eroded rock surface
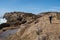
x=44, y=26
x=19, y=17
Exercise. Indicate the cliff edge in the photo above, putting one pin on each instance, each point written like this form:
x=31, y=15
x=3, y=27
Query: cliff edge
x=43, y=26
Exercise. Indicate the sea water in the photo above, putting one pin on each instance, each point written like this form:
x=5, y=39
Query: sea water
x=2, y=20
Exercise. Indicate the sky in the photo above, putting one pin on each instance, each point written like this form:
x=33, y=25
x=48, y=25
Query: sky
x=30, y=6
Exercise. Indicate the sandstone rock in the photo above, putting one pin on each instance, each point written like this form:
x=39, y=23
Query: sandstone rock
x=43, y=26
x=19, y=17
x=47, y=30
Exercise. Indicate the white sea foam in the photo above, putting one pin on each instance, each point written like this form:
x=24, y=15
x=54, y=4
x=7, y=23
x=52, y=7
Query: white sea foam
x=3, y=20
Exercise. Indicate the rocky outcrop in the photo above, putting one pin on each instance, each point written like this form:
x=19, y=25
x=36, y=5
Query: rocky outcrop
x=19, y=17
x=44, y=26
x=40, y=29
x=4, y=25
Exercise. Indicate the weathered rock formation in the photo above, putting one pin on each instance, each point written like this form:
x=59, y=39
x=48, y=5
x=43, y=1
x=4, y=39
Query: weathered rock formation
x=46, y=27
x=19, y=17
x=15, y=19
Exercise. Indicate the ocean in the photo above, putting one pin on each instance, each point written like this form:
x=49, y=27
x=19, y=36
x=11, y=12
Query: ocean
x=2, y=20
